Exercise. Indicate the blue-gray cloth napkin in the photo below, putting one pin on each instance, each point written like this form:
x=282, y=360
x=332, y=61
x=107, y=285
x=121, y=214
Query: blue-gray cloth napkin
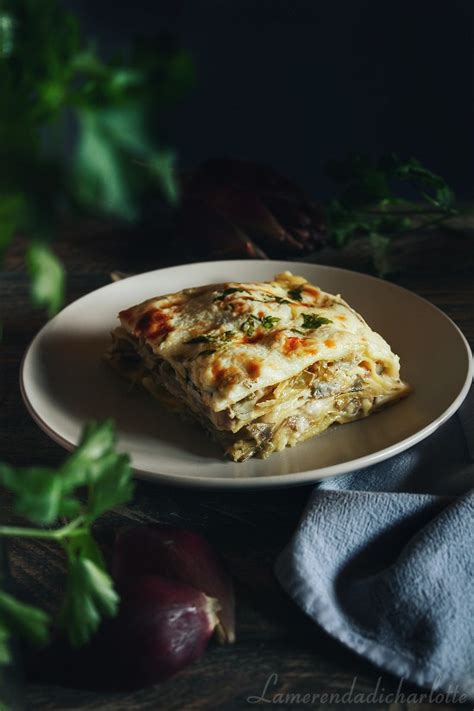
x=383, y=559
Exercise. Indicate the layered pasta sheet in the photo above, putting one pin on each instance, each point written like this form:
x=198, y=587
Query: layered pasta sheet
x=261, y=365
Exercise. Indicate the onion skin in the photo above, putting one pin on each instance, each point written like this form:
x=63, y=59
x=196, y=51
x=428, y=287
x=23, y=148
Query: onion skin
x=180, y=555
x=162, y=627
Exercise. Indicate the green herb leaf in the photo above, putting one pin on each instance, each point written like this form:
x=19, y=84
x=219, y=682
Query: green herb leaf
x=90, y=595
x=44, y=495
x=205, y=338
x=314, y=321
x=90, y=458
x=25, y=620
x=380, y=251
x=5, y=652
x=162, y=167
x=227, y=292
x=214, y=339
x=111, y=485
x=7, y=35
x=115, y=159
x=102, y=163
x=47, y=277
x=249, y=325
x=295, y=294
x=371, y=198
x=38, y=492
x=206, y=352
x=269, y=321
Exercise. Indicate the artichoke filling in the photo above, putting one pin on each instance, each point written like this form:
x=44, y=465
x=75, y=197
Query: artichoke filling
x=269, y=419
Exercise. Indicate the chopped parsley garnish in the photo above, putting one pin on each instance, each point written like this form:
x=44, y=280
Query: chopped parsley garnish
x=296, y=294
x=63, y=504
x=270, y=298
x=314, y=321
x=215, y=339
x=269, y=321
x=296, y=330
x=249, y=326
x=266, y=298
x=228, y=292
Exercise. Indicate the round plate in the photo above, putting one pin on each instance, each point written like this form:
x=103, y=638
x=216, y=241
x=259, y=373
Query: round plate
x=65, y=382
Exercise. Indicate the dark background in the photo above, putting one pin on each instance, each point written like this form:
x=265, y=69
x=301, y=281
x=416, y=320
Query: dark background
x=295, y=83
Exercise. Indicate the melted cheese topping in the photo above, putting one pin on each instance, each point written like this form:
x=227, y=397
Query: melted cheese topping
x=230, y=340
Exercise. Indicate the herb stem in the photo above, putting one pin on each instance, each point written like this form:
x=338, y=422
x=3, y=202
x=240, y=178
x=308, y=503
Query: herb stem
x=19, y=532
x=53, y=534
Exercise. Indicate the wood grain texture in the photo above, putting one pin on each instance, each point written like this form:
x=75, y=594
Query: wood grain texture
x=249, y=528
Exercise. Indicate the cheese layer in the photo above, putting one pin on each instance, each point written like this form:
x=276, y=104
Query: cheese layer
x=228, y=341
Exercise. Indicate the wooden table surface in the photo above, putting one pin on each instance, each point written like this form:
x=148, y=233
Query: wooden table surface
x=249, y=529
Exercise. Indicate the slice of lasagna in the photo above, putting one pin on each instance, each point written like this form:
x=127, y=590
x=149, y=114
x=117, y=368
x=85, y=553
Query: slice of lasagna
x=261, y=365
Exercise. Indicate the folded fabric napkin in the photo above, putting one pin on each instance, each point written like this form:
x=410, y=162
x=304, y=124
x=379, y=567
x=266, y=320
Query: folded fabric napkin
x=383, y=559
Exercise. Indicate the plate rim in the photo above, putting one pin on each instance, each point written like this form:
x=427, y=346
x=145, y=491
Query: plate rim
x=310, y=476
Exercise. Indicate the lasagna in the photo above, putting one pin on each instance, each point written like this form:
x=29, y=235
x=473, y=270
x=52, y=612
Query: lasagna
x=261, y=366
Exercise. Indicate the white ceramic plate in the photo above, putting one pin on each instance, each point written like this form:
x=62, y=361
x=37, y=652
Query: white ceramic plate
x=64, y=381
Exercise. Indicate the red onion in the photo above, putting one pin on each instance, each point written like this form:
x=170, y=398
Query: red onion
x=180, y=555
x=162, y=627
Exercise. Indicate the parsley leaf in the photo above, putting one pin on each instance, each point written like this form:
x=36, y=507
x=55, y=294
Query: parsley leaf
x=249, y=326
x=296, y=294
x=269, y=321
x=44, y=495
x=314, y=321
x=24, y=620
x=89, y=596
x=380, y=200
x=91, y=460
x=380, y=252
x=5, y=653
x=228, y=292
x=38, y=491
x=111, y=485
x=213, y=339
x=47, y=277
x=51, y=76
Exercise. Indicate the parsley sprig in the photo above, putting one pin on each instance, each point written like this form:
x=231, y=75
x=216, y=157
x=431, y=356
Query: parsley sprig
x=296, y=294
x=250, y=325
x=381, y=200
x=228, y=292
x=213, y=338
x=51, y=499
x=314, y=321
x=53, y=77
